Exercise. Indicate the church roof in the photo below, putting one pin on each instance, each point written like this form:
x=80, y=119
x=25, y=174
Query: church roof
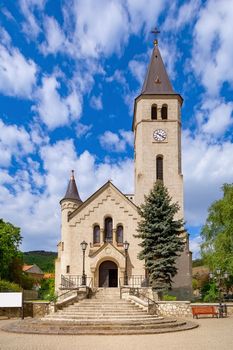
x=72, y=191
x=157, y=80
x=97, y=193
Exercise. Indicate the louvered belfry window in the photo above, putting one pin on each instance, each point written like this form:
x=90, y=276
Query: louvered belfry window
x=154, y=112
x=164, y=112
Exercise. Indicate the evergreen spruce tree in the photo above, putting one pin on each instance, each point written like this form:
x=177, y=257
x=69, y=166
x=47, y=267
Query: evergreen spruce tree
x=161, y=238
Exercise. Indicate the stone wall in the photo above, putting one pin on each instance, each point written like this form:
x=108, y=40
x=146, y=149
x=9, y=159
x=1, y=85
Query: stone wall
x=31, y=309
x=181, y=308
x=174, y=308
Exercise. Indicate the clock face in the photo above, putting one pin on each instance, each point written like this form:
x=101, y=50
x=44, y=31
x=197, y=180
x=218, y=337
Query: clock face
x=159, y=135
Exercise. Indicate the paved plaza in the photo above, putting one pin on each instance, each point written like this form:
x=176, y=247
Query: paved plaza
x=211, y=334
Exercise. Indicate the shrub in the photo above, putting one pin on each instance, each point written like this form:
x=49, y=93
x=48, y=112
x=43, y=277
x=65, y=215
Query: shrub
x=6, y=286
x=167, y=297
x=211, y=294
x=47, y=291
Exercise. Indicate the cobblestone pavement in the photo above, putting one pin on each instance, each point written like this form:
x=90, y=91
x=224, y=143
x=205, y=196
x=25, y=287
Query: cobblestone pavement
x=212, y=334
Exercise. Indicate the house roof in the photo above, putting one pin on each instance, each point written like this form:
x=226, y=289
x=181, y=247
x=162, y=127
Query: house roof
x=32, y=269
x=26, y=267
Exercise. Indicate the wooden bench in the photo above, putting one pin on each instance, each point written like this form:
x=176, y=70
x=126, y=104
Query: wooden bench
x=204, y=310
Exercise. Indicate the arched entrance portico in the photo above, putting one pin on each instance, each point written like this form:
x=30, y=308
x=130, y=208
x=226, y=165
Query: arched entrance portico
x=108, y=274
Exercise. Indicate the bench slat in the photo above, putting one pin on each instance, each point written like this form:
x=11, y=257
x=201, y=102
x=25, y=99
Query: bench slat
x=204, y=310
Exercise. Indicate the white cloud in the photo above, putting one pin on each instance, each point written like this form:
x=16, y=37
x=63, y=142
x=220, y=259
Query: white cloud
x=138, y=70
x=14, y=142
x=170, y=60
x=119, y=77
x=55, y=39
x=5, y=38
x=128, y=136
x=31, y=25
x=144, y=15
x=96, y=102
x=195, y=243
x=17, y=74
x=206, y=166
x=212, y=55
x=53, y=109
x=179, y=16
x=219, y=119
x=35, y=195
x=91, y=37
x=116, y=143
x=83, y=130
x=7, y=13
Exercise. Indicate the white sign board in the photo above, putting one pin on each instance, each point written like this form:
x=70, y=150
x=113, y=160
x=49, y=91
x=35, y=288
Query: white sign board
x=11, y=299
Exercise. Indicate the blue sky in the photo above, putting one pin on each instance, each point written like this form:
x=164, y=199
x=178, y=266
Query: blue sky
x=69, y=73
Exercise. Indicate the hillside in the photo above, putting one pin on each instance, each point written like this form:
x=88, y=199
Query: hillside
x=45, y=260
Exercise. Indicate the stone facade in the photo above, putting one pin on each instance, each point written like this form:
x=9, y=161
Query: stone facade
x=79, y=219
x=146, y=148
x=108, y=201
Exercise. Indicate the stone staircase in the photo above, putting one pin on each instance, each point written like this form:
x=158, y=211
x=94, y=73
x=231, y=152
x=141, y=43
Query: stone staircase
x=105, y=313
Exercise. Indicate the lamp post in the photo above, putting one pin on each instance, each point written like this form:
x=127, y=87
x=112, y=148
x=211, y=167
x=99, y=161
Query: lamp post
x=126, y=247
x=84, y=277
x=219, y=277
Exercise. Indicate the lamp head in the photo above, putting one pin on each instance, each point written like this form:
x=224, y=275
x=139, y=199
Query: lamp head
x=126, y=245
x=84, y=245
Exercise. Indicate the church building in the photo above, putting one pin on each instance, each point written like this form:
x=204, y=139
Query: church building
x=97, y=246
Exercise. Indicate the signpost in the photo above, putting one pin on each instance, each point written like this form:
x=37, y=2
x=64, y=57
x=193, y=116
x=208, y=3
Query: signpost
x=12, y=300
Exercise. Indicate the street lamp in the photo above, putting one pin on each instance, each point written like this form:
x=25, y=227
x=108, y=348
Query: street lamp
x=84, y=247
x=126, y=247
x=219, y=277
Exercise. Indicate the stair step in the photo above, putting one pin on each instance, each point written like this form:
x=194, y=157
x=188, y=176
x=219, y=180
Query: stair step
x=40, y=327
x=105, y=313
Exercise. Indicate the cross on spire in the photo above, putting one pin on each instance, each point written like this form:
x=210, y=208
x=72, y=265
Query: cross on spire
x=155, y=31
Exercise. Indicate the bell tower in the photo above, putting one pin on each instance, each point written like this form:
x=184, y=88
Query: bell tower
x=157, y=133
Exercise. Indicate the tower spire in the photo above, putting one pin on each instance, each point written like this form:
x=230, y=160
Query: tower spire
x=155, y=31
x=72, y=191
x=157, y=80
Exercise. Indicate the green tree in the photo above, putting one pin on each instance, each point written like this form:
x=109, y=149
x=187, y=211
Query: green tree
x=47, y=289
x=161, y=237
x=10, y=240
x=217, y=233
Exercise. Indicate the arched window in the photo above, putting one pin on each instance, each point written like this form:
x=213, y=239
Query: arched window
x=164, y=112
x=108, y=229
x=154, y=112
x=119, y=234
x=96, y=234
x=159, y=168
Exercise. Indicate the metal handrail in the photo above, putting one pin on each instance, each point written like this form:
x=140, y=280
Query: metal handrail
x=74, y=281
x=135, y=281
x=61, y=295
x=149, y=300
